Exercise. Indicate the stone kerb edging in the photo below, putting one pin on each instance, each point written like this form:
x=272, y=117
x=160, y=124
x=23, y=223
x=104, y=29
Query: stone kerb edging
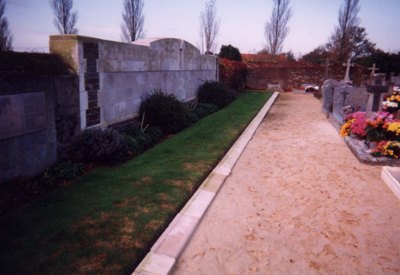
x=164, y=253
x=391, y=176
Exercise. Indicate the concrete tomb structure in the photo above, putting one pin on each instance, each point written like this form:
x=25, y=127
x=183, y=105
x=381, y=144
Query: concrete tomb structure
x=115, y=77
x=97, y=83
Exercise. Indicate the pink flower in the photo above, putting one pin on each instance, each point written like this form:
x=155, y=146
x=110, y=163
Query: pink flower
x=358, y=127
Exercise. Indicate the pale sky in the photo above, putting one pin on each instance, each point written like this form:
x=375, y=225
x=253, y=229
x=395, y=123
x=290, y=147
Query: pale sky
x=242, y=22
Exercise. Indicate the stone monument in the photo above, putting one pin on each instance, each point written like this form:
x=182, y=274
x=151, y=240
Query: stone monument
x=376, y=87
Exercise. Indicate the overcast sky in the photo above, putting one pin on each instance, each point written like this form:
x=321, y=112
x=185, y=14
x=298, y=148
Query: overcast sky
x=242, y=22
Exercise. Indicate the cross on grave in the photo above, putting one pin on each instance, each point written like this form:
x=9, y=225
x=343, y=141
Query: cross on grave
x=347, y=75
x=373, y=69
x=344, y=93
x=377, y=91
x=327, y=64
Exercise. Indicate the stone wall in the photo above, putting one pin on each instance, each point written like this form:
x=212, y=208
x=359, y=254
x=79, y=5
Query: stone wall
x=292, y=74
x=114, y=77
x=30, y=105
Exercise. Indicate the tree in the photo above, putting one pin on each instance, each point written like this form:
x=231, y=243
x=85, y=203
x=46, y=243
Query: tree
x=290, y=56
x=386, y=62
x=340, y=44
x=64, y=18
x=359, y=44
x=5, y=34
x=317, y=56
x=133, y=20
x=276, y=29
x=209, y=26
x=230, y=52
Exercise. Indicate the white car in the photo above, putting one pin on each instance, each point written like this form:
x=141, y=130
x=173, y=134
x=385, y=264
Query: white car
x=309, y=88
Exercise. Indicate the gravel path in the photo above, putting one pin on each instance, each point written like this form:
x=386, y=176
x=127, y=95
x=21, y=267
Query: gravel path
x=298, y=202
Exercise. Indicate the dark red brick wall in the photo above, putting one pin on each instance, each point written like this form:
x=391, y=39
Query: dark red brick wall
x=293, y=74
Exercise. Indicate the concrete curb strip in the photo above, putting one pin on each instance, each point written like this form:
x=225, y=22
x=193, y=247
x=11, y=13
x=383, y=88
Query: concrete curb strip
x=164, y=253
x=391, y=176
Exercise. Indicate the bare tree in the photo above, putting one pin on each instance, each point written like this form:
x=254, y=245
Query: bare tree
x=5, y=34
x=64, y=18
x=340, y=44
x=209, y=26
x=276, y=29
x=133, y=20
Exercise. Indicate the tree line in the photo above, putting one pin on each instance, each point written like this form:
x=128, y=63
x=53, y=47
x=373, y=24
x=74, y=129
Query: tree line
x=348, y=39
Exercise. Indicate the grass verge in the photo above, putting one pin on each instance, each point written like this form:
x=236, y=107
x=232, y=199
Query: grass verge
x=106, y=221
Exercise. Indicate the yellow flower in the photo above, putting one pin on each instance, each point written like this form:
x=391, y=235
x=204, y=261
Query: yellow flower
x=345, y=129
x=394, y=127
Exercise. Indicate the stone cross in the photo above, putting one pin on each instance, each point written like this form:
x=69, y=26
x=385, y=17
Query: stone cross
x=327, y=64
x=344, y=93
x=373, y=69
x=376, y=91
x=347, y=75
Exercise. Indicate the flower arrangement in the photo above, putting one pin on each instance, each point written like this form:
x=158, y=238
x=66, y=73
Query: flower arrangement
x=359, y=124
x=382, y=129
x=393, y=130
x=346, y=128
x=376, y=127
x=391, y=103
x=390, y=149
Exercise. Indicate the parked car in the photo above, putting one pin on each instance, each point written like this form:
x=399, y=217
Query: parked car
x=310, y=88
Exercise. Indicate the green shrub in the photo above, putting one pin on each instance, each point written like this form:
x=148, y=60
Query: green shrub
x=215, y=93
x=230, y=52
x=164, y=111
x=60, y=172
x=139, y=139
x=100, y=146
x=154, y=134
x=204, y=109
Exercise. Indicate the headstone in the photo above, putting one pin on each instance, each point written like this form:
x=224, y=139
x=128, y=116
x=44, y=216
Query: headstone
x=22, y=113
x=376, y=87
x=327, y=95
x=347, y=75
x=347, y=97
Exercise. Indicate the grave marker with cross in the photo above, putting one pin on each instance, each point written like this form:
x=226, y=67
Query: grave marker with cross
x=327, y=64
x=376, y=87
x=347, y=75
x=373, y=69
x=344, y=93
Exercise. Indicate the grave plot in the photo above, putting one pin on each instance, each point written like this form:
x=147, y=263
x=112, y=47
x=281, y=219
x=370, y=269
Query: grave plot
x=366, y=116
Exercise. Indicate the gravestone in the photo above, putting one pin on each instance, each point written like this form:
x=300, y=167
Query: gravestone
x=328, y=89
x=348, y=98
x=376, y=87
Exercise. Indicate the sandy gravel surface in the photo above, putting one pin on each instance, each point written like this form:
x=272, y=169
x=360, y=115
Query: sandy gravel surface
x=298, y=202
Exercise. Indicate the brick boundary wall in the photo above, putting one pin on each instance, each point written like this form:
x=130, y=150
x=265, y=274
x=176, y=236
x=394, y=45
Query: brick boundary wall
x=292, y=74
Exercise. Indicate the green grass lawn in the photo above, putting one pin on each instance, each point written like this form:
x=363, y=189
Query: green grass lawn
x=106, y=221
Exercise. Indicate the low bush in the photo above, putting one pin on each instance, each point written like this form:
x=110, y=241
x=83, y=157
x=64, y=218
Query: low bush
x=61, y=172
x=204, y=109
x=139, y=139
x=100, y=146
x=164, y=111
x=215, y=93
